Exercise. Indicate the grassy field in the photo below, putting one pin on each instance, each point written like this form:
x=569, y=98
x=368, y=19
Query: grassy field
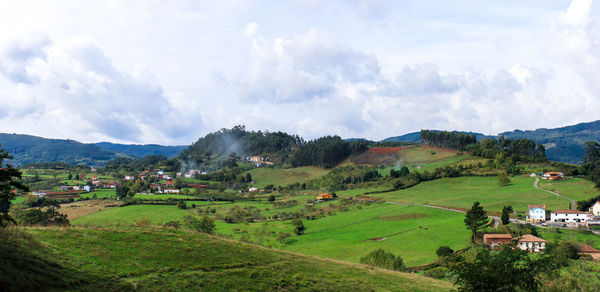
x=576, y=236
x=576, y=188
x=281, y=177
x=129, y=215
x=176, y=260
x=100, y=193
x=461, y=192
x=161, y=196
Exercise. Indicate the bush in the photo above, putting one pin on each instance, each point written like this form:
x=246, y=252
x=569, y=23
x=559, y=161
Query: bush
x=299, y=230
x=181, y=205
x=142, y=222
x=205, y=224
x=271, y=198
x=381, y=258
x=436, y=273
x=281, y=237
x=172, y=224
x=444, y=251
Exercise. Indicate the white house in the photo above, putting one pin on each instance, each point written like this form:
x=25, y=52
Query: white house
x=253, y=189
x=537, y=213
x=129, y=177
x=571, y=217
x=171, y=191
x=595, y=209
x=531, y=243
x=39, y=194
x=87, y=188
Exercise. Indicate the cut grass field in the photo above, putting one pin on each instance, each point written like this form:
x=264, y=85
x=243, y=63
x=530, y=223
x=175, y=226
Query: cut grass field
x=129, y=215
x=175, y=260
x=575, y=188
x=461, y=192
x=284, y=176
x=82, y=208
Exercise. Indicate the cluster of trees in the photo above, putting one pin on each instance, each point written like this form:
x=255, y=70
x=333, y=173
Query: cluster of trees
x=9, y=181
x=591, y=169
x=241, y=141
x=513, y=149
x=327, y=151
x=448, y=140
x=246, y=214
x=383, y=259
x=144, y=163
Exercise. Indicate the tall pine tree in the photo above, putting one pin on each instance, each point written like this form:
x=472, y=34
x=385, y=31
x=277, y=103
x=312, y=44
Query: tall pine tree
x=475, y=219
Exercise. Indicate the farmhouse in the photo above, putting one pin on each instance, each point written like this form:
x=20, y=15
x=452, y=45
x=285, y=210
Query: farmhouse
x=325, y=197
x=553, y=175
x=129, y=177
x=537, y=213
x=568, y=217
x=531, y=243
x=495, y=240
x=586, y=249
x=595, y=210
x=253, y=189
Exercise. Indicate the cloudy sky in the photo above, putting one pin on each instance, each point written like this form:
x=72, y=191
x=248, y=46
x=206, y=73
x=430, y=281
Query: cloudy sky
x=169, y=72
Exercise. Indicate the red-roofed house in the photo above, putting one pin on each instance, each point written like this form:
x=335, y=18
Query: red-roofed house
x=531, y=243
x=495, y=240
x=586, y=249
x=568, y=217
x=553, y=175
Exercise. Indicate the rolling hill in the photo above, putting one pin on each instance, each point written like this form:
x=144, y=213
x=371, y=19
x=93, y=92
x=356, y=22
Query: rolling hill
x=563, y=144
x=32, y=149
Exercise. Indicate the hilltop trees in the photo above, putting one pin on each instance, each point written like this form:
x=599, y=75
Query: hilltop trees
x=9, y=181
x=448, y=140
x=327, y=151
x=475, y=219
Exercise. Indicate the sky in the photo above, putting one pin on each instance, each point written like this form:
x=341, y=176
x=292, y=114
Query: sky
x=169, y=72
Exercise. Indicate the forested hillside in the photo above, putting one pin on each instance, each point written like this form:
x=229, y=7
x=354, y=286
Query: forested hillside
x=565, y=144
x=139, y=151
x=32, y=149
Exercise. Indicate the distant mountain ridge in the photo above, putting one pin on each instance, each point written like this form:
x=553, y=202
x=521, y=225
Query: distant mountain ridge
x=564, y=144
x=32, y=149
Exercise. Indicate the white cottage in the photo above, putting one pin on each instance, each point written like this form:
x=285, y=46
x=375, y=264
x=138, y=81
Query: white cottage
x=537, y=213
x=570, y=217
x=595, y=209
x=531, y=243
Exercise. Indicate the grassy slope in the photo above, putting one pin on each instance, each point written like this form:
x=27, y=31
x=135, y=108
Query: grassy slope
x=166, y=259
x=576, y=188
x=344, y=236
x=277, y=176
x=463, y=191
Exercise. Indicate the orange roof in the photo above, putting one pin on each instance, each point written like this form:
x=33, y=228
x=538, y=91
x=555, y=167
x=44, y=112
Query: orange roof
x=565, y=211
x=587, y=248
x=499, y=236
x=536, y=206
x=530, y=238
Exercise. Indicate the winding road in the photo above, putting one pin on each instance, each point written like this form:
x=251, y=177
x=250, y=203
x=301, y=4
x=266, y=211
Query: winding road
x=535, y=185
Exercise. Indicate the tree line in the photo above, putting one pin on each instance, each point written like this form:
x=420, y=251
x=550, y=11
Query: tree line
x=516, y=149
x=327, y=151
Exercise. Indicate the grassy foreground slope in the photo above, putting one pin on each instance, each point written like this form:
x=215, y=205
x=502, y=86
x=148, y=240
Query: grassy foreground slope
x=167, y=259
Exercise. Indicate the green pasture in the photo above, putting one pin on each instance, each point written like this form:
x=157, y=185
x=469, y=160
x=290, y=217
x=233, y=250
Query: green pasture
x=461, y=192
x=575, y=188
x=284, y=176
x=162, y=197
x=100, y=194
x=178, y=260
x=129, y=215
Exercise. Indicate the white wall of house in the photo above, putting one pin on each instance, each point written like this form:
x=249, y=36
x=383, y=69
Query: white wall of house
x=568, y=218
x=532, y=246
x=596, y=209
x=537, y=214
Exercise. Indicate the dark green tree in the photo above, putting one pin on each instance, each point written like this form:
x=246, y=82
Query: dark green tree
x=444, y=251
x=9, y=182
x=122, y=192
x=271, y=198
x=475, y=219
x=248, y=177
x=383, y=259
x=505, y=218
x=299, y=226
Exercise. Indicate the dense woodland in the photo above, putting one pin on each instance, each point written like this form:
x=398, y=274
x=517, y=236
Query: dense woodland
x=327, y=151
x=515, y=149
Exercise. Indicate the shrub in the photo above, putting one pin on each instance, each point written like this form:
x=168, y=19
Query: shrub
x=181, y=205
x=436, y=273
x=383, y=259
x=172, y=224
x=281, y=237
x=299, y=230
x=444, y=251
x=205, y=224
x=271, y=198
x=142, y=222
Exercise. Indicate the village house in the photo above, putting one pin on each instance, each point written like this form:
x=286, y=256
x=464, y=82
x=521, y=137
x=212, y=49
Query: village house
x=537, y=213
x=253, y=189
x=553, y=175
x=325, y=197
x=255, y=158
x=39, y=194
x=588, y=250
x=495, y=240
x=531, y=243
x=595, y=209
x=572, y=218
x=129, y=177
